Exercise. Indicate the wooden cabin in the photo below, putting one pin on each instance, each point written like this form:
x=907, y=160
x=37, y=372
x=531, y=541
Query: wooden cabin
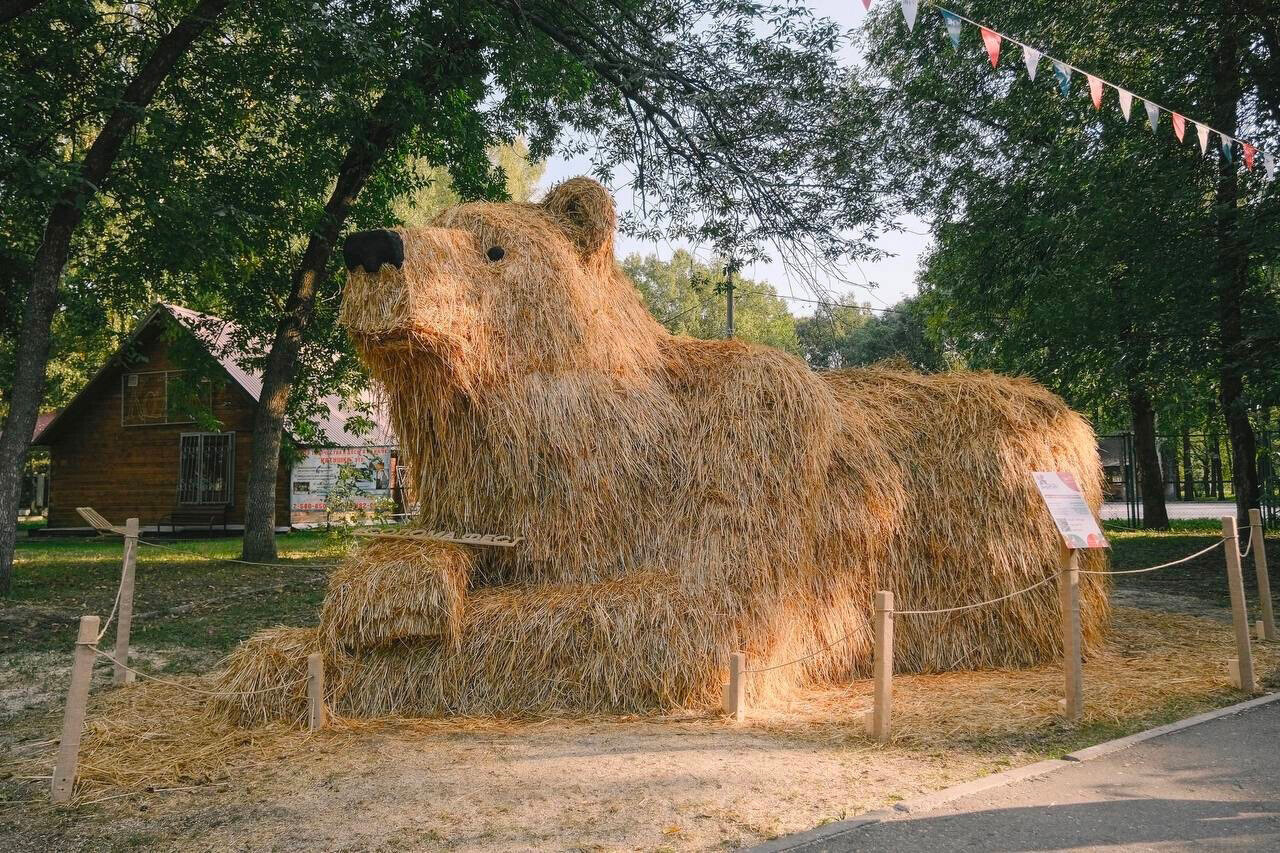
x=164, y=430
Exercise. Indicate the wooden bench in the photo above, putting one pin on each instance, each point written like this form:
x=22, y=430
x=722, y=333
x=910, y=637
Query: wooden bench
x=192, y=516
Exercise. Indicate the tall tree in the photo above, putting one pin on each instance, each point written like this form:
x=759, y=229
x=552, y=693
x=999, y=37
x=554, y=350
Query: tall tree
x=81, y=184
x=447, y=72
x=1072, y=245
x=845, y=335
x=689, y=298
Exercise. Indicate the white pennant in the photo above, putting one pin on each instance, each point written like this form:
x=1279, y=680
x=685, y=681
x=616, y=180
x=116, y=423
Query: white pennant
x=909, y=9
x=1126, y=102
x=1153, y=114
x=1271, y=166
x=1203, y=133
x=1031, y=57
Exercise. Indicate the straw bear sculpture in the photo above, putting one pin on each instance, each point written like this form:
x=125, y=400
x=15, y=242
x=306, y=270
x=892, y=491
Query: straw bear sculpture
x=676, y=499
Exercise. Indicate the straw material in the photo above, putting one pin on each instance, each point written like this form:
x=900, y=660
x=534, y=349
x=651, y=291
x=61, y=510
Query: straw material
x=1154, y=666
x=395, y=590
x=258, y=671
x=678, y=499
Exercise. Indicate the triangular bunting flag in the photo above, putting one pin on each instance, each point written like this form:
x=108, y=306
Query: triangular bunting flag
x=991, y=39
x=1249, y=151
x=1179, y=125
x=1271, y=166
x=1203, y=133
x=1063, y=72
x=1031, y=57
x=909, y=9
x=866, y=4
x=953, y=28
x=1126, y=102
x=1228, y=152
x=1095, y=90
x=1153, y=114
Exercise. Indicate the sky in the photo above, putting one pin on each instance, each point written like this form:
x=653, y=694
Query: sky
x=880, y=283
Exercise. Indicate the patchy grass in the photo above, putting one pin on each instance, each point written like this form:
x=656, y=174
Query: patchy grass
x=1204, y=578
x=185, y=596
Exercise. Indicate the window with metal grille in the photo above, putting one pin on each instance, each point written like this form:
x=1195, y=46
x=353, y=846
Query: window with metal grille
x=206, y=467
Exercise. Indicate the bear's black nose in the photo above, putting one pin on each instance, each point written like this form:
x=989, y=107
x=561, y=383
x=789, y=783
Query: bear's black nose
x=372, y=249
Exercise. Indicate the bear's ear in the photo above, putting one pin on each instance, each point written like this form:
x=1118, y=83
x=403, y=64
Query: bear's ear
x=584, y=210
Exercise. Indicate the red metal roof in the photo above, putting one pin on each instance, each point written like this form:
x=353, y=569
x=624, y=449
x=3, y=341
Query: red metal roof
x=219, y=336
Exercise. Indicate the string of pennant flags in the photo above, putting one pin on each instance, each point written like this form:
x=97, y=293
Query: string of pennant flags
x=1032, y=57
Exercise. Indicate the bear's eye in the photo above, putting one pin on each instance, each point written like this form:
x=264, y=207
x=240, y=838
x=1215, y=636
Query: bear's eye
x=495, y=253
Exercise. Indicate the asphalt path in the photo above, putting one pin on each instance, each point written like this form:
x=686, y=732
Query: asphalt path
x=1214, y=786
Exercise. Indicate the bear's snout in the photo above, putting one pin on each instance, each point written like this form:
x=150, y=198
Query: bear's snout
x=372, y=249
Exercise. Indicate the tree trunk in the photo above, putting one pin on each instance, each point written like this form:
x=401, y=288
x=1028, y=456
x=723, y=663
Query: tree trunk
x=1188, y=472
x=386, y=123
x=32, y=356
x=1146, y=451
x=282, y=362
x=1232, y=274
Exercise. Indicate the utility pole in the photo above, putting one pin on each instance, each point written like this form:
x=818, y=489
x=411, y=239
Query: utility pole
x=729, y=269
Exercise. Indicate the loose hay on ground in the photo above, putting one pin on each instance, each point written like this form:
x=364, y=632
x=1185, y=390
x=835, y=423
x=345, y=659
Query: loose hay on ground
x=1153, y=665
x=264, y=679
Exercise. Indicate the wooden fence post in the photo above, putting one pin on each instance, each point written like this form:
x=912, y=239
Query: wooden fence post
x=735, y=692
x=124, y=610
x=317, y=711
x=1069, y=599
x=1268, y=631
x=882, y=668
x=1242, y=668
x=64, y=770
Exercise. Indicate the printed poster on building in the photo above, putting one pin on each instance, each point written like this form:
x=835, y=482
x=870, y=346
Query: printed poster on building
x=1070, y=513
x=315, y=474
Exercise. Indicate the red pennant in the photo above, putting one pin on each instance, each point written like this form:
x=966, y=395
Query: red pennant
x=1095, y=90
x=1249, y=151
x=866, y=4
x=1179, y=125
x=991, y=39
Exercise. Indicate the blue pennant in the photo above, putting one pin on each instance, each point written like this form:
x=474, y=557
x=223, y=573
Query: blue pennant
x=953, y=28
x=1063, y=73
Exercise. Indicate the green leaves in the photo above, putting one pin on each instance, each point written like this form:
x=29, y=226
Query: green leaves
x=687, y=297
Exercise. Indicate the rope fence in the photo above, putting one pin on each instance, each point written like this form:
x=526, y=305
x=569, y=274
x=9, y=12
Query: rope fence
x=91, y=633
x=1248, y=544
x=976, y=604
x=1240, y=668
x=189, y=688
x=877, y=717
x=858, y=632
x=1220, y=543
x=198, y=555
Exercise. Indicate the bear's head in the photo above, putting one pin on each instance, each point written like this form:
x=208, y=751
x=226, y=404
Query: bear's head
x=489, y=292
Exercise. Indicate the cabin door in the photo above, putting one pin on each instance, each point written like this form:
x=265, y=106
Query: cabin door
x=206, y=467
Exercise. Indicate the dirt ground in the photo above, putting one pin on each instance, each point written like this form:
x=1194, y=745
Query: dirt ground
x=156, y=775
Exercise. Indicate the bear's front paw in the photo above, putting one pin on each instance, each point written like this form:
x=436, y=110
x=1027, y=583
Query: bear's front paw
x=395, y=589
